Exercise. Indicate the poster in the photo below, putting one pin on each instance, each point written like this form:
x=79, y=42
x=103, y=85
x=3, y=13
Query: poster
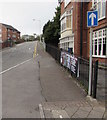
x=70, y=61
x=74, y=65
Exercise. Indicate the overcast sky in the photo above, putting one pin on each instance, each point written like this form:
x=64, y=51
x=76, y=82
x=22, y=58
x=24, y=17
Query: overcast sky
x=21, y=14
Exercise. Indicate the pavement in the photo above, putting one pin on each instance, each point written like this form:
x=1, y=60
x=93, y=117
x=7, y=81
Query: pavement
x=72, y=109
x=64, y=98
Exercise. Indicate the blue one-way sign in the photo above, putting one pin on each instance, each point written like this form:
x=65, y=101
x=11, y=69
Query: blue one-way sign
x=92, y=18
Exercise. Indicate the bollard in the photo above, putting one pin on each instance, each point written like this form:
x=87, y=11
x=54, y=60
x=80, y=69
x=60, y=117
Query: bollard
x=95, y=79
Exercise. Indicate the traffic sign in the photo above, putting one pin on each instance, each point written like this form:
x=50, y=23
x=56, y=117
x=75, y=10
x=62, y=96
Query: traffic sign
x=92, y=18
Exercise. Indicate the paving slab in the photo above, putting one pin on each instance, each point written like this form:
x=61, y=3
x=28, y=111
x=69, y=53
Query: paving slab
x=80, y=114
x=95, y=114
x=60, y=114
x=71, y=110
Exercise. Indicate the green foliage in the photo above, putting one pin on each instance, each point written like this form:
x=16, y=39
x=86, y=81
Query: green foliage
x=38, y=38
x=51, y=30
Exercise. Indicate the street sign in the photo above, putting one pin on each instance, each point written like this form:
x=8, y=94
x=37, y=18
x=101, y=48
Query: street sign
x=92, y=18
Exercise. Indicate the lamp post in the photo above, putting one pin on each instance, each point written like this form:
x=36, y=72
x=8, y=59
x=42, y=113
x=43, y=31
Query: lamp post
x=39, y=27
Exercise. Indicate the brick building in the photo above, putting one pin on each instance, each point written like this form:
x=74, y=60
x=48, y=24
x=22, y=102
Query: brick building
x=8, y=35
x=75, y=35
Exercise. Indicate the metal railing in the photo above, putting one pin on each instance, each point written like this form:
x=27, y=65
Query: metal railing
x=54, y=52
x=82, y=66
x=83, y=72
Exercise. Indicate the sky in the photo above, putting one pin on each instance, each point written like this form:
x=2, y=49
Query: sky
x=28, y=16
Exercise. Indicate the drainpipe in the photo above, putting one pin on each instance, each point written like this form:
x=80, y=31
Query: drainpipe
x=81, y=28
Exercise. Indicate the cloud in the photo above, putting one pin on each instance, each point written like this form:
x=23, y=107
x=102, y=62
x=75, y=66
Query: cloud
x=20, y=15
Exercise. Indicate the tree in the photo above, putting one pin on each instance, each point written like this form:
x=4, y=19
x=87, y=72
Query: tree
x=51, y=30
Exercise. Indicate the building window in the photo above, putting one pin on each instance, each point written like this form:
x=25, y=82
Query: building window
x=63, y=24
x=66, y=22
x=0, y=35
x=100, y=5
x=14, y=31
x=67, y=2
x=99, y=43
x=69, y=19
x=14, y=36
x=8, y=30
x=8, y=35
x=1, y=41
x=0, y=30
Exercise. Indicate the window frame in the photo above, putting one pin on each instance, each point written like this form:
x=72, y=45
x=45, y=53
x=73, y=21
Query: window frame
x=99, y=38
x=13, y=36
x=95, y=4
x=64, y=20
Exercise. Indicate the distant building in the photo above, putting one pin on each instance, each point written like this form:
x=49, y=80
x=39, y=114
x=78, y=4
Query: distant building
x=28, y=37
x=8, y=35
x=75, y=35
x=25, y=37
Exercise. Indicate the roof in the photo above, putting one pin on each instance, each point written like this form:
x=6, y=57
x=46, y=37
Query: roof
x=10, y=27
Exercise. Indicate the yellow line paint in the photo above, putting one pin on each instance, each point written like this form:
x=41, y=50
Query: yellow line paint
x=35, y=51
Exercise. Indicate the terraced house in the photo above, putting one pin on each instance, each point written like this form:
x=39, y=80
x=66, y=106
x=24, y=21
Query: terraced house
x=75, y=35
x=8, y=35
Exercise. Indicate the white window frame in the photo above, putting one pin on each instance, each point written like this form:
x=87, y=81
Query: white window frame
x=63, y=20
x=95, y=5
x=97, y=38
x=66, y=2
x=14, y=36
x=8, y=30
x=1, y=40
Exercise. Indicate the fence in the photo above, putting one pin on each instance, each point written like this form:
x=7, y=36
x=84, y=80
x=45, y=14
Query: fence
x=78, y=67
x=83, y=72
x=54, y=52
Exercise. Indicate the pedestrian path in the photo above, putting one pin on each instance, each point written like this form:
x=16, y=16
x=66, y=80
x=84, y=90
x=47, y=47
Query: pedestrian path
x=64, y=99
x=75, y=109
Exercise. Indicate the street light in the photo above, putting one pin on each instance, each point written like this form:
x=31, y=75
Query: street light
x=39, y=27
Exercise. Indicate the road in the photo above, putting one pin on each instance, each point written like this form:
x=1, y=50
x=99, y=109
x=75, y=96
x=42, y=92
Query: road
x=21, y=89
x=17, y=54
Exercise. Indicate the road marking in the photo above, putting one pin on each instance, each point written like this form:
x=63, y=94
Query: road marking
x=60, y=116
x=35, y=50
x=14, y=66
x=20, y=44
x=41, y=111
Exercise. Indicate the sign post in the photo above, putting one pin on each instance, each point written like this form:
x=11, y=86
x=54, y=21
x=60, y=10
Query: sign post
x=92, y=20
x=90, y=62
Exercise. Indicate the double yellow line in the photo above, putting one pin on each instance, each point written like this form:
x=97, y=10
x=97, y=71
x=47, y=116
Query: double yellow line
x=35, y=50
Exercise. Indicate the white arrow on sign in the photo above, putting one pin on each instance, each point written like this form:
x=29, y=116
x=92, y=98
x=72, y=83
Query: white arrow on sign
x=92, y=16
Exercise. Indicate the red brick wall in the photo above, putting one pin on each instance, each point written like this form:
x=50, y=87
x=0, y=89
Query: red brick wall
x=14, y=33
x=4, y=33
x=76, y=22
x=86, y=31
x=62, y=8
